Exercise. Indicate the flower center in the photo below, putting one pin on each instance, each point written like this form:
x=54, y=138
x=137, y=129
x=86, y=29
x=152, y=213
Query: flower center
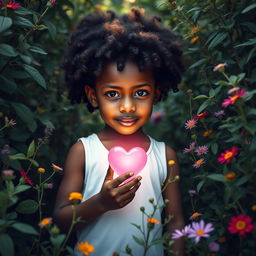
x=234, y=98
x=200, y=161
x=228, y=155
x=200, y=232
x=240, y=225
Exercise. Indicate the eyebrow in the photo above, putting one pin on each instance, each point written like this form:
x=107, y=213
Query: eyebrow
x=119, y=87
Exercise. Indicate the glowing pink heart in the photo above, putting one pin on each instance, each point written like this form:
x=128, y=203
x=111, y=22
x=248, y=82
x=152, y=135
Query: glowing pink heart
x=122, y=161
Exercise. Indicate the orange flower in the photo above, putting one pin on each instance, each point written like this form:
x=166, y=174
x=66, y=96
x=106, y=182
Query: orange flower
x=195, y=215
x=194, y=39
x=75, y=196
x=153, y=221
x=171, y=162
x=194, y=30
x=207, y=133
x=222, y=239
x=45, y=222
x=230, y=176
x=85, y=248
x=254, y=207
x=41, y=170
x=56, y=167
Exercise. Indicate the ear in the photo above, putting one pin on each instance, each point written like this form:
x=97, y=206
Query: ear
x=91, y=95
x=157, y=95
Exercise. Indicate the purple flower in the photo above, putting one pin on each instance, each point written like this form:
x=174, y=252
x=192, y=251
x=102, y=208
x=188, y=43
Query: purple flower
x=220, y=67
x=157, y=116
x=192, y=192
x=6, y=150
x=214, y=247
x=190, y=148
x=201, y=150
x=191, y=124
x=219, y=113
x=180, y=233
x=199, y=229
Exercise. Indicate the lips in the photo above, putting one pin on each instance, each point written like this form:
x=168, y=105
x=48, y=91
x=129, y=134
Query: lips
x=127, y=122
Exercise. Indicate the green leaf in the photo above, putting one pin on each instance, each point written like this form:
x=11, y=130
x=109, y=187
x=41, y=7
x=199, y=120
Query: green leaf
x=217, y=40
x=138, y=240
x=38, y=50
x=241, y=181
x=23, y=11
x=19, y=156
x=248, y=8
x=34, y=162
x=31, y=149
x=22, y=22
x=21, y=188
x=7, y=85
x=7, y=245
x=24, y=228
x=25, y=58
x=203, y=106
x=198, y=63
x=5, y=23
x=217, y=177
x=202, y=96
x=214, y=148
x=212, y=93
x=251, y=41
x=4, y=202
x=200, y=185
x=51, y=28
x=58, y=240
x=35, y=74
x=157, y=241
x=7, y=50
x=27, y=207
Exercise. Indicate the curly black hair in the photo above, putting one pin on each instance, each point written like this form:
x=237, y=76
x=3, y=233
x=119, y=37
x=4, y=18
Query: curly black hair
x=104, y=36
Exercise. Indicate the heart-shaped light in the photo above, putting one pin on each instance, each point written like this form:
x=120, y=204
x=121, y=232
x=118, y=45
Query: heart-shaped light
x=122, y=161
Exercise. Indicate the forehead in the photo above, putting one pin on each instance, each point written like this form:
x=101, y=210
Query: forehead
x=130, y=74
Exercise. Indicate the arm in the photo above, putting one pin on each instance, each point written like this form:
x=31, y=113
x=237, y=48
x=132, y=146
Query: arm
x=112, y=194
x=172, y=193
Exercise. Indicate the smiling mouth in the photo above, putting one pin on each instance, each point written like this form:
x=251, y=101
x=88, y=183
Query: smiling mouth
x=127, y=122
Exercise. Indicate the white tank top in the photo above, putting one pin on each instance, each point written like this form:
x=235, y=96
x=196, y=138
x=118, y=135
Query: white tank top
x=113, y=231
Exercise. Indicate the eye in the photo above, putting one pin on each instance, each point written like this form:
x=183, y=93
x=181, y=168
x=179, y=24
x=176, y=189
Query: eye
x=112, y=94
x=141, y=93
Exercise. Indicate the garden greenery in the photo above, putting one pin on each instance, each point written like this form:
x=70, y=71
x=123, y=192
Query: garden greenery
x=211, y=123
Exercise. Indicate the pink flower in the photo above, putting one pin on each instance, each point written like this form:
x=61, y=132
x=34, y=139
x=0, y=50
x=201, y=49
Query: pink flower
x=232, y=99
x=8, y=172
x=190, y=148
x=240, y=224
x=214, y=247
x=27, y=179
x=53, y=2
x=232, y=90
x=199, y=230
x=190, y=124
x=227, y=156
x=156, y=117
x=10, y=4
x=201, y=150
x=219, y=67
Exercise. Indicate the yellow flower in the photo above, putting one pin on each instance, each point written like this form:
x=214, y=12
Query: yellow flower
x=75, y=196
x=41, y=170
x=45, y=222
x=254, y=207
x=230, y=176
x=207, y=133
x=153, y=221
x=85, y=248
x=194, y=39
x=171, y=162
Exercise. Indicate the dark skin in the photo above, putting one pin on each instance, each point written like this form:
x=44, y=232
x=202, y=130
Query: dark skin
x=125, y=100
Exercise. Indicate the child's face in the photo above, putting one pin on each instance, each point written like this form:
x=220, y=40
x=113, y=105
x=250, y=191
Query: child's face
x=125, y=99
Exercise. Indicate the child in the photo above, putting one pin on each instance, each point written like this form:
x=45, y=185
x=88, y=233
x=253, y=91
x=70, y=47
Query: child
x=121, y=66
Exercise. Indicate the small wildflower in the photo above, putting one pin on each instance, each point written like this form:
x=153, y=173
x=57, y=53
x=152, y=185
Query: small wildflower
x=171, y=162
x=85, y=248
x=41, y=170
x=190, y=124
x=194, y=39
x=199, y=230
x=254, y=207
x=8, y=174
x=45, y=222
x=190, y=148
x=56, y=167
x=222, y=239
x=227, y=156
x=194, y=30
x=201, y=150
x=232, y=99
x=153, y=221
x=240, y=224
x=219, y=113
x=26, y=178
x=195, y=215
x=189, y=91
x=207, y=133
x=180, y=233
x=142, y=208
x=9, y=122
x=75, y=196
x=6, y=150
x=51, y=3
x=201, y=115
x=198, y=163
x=192, y=192
x=214, y=247
x=220, y=67
x=232, y=90
x=230, y=176
x=156, y=117
x=11, y=4
x=48, y=185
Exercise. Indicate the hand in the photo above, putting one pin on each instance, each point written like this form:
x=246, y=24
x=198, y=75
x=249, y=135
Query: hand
x=114, y=194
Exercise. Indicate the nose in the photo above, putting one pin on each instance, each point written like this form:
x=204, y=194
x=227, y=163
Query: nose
x=127, y=106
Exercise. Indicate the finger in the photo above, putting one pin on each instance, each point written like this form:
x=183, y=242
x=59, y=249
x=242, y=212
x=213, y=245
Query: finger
x=120, y=179
x=130, y=194
x=129, y=185
x=110, y=174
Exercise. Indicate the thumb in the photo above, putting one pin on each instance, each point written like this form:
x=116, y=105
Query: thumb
x=110, y=174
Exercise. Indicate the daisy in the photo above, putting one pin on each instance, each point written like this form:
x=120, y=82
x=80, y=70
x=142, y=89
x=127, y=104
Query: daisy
x=190, y=148
x=190, y=124
x=201, y=150
x=240, y=224
x=227, y=156
x=198, y=163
